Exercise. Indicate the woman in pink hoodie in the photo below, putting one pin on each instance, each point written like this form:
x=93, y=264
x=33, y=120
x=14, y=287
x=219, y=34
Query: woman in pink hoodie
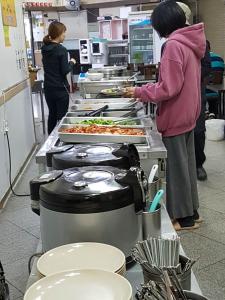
x=178, y=98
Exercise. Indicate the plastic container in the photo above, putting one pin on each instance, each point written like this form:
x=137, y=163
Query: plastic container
x=215, y=130
x=151, y=223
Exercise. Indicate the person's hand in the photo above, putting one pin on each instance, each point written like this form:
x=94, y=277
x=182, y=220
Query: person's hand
x=73, y=61
x=129, y=92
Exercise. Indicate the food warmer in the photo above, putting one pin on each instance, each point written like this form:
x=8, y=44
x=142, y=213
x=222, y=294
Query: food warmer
x=91, y=204
x=80, y=155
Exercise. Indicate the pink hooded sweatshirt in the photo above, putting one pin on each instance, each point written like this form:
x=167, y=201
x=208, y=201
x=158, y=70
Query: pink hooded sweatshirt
x=178, y=92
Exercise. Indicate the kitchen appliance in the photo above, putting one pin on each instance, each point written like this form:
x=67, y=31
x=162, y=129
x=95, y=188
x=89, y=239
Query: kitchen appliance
x=83, y=284
x=91, y=204
x=118, y=52
x=122, y=156
x=85, y=51
x=99, y=54
x=145, y=44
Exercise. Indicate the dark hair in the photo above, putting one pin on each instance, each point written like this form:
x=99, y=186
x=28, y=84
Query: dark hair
x=168, y=17
x=55, y=29
x=208, y=45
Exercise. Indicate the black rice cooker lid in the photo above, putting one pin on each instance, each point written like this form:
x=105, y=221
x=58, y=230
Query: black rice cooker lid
x=117, y=155
x=87, y=190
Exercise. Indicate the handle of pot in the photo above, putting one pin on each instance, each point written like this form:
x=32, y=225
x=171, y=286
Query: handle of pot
x=43, y=179
x=129, y=151
x=56, y=150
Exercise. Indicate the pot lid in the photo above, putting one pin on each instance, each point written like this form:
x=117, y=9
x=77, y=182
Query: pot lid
x=85, y=190
x=118, y=155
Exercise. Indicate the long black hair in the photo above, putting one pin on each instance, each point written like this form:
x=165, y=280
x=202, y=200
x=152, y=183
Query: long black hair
x=168, y=17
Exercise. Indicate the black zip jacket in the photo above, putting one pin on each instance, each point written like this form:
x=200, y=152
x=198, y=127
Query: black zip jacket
x=56, y=66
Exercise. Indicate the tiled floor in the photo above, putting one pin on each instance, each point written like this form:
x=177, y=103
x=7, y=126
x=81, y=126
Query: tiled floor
x=208, y=243
x=20, y=230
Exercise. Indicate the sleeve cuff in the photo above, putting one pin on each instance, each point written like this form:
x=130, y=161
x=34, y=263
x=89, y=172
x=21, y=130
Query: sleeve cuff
x=137, y=92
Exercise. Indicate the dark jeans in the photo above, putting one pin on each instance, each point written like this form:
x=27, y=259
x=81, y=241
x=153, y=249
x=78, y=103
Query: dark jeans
x=199, y=148
x=58, y=103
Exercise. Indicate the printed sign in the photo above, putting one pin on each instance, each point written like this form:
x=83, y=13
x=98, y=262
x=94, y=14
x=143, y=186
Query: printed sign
x=9, y=13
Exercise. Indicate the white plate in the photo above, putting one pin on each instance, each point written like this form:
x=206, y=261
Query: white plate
x=81, y=256
x=81, y=285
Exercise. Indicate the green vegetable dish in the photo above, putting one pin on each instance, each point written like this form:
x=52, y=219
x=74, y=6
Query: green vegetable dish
x=106, y=122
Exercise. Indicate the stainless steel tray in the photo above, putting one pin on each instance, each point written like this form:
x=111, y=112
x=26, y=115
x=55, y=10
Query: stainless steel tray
x=90, y=106
x=101, y=138
x=104, y=101
x=115, y=114
x=78, y=120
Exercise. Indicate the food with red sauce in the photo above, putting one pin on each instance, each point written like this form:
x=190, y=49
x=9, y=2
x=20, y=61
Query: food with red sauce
x=94, y=129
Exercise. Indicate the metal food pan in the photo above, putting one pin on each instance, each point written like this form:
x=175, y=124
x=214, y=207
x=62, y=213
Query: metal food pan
x=104, y=101
x=78, y=120
x=90, y=106
x=101, y=138
x=110, y=114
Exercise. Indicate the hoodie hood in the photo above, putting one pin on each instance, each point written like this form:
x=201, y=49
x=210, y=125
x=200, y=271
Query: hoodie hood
x=193, y=37
x=49, y=47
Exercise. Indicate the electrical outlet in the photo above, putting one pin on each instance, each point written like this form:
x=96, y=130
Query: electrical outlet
x=5, y=126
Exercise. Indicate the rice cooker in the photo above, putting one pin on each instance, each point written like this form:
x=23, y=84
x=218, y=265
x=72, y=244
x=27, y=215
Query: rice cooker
x=64, y=157
x=91, y=204
x=117, y=155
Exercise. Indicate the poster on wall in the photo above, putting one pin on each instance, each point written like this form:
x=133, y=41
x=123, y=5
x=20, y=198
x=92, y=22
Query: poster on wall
x=6, y=36
x=9, y=13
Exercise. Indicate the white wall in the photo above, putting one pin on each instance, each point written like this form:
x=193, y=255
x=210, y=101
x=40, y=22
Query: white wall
x=76, y=23
x=212, y=13
x=18, y=113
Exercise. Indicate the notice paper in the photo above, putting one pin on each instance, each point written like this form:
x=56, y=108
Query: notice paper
x=6, y=36
x=9, y=13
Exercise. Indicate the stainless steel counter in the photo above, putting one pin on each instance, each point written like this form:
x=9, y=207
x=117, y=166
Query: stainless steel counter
x=153, y=151
x=91, y=89
x=134, y=273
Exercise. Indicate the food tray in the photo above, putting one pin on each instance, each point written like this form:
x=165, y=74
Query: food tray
x=78, y=120
x=104, y=101
x=109, y=114
x=90, y=106
x=100, y=138
x=113, y=91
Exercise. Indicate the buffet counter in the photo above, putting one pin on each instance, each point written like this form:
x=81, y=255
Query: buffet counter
x=151, y=152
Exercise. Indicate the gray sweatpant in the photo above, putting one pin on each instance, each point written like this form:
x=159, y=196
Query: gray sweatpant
x=182, y=193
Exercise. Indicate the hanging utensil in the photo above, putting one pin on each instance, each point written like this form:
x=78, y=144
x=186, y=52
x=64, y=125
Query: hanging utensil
x=131, y=119
x=152, y=174
x=132, y=112
x=133, y=76
x=97, y=111
x=156, y=201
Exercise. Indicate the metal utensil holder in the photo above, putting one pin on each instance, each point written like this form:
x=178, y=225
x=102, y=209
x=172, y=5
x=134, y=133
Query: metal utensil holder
x=184, y=278
x=151, y=223
x=154, y=187
x=193, y=296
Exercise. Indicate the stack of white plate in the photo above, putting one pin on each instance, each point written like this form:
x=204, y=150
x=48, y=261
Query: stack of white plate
x=81, y=285
x=82, y=256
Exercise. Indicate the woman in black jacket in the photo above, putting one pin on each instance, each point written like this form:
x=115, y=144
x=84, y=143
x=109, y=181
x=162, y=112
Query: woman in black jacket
x=56, y=68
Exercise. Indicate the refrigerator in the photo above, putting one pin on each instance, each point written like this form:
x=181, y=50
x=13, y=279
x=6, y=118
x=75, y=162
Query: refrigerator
x=144, y=42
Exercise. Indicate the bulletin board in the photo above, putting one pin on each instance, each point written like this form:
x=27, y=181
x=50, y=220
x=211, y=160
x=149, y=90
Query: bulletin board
x=13, y=58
